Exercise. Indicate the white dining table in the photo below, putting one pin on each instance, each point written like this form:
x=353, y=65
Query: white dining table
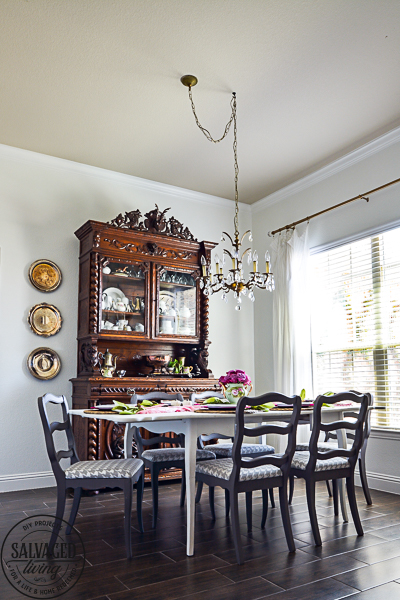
x=193, y=424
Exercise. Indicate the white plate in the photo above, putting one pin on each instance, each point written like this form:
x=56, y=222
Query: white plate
x=113, y=293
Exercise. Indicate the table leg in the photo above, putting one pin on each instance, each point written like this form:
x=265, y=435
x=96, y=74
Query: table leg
x=128, y=437
x=342, y=443
x=190, y=471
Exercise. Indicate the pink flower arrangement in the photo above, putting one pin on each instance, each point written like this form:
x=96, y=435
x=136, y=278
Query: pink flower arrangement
x=237, y=376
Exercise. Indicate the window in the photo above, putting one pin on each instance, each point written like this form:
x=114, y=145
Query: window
x=356, y=322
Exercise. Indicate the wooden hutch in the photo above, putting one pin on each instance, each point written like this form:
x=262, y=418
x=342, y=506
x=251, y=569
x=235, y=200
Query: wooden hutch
x=139, y=297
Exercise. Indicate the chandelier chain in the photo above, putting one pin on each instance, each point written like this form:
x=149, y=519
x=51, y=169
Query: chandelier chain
x=236, y=166
x=211, y=139
x=204, y=130
x=235, y=280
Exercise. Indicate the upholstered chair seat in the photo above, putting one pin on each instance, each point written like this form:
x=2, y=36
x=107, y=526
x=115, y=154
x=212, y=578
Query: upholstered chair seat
x=225, y=450
x=222, y=468
x=300, y=461
x=167, y=454
x=98, y=469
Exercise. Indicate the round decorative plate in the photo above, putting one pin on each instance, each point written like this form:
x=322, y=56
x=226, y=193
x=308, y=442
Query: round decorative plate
x=44, y=363
x=44, y=275
x=44, y=319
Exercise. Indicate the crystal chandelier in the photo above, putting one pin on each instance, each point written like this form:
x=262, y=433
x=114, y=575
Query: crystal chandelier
x=235, y=280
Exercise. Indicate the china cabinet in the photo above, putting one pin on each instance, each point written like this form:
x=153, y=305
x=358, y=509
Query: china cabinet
x=139, y=301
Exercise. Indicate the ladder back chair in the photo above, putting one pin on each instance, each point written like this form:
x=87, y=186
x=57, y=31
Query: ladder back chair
x=88, y=474
x=329, y=444
x=333, y=464
x=224, y=450
x=157, y=459
x=245, y=474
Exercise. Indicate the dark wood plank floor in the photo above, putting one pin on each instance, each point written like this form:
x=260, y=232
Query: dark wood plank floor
x=366, y=568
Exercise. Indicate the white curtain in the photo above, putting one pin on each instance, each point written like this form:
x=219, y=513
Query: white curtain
x=291, y=313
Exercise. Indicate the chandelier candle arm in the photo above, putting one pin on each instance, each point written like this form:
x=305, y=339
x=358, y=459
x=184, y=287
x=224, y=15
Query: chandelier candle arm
x=203, y=265
x=267, y=261
x=255, y=262
x=235, y=280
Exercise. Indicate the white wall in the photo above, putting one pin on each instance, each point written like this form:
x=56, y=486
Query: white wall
x=369, y=167
x=43, y=201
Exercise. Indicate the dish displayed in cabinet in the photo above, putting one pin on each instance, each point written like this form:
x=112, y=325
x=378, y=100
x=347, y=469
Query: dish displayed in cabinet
x=177, y=304
x=123, y=309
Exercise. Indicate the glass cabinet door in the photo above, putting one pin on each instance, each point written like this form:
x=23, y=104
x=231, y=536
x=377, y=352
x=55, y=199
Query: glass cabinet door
x=123, y=298
x=177, y=304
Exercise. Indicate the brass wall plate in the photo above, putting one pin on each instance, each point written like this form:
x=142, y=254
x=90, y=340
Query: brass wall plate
x=45, y=275
x=44, y=363
x=44, y=319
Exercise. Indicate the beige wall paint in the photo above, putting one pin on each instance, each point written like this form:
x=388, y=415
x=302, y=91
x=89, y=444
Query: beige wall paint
x=43, y=201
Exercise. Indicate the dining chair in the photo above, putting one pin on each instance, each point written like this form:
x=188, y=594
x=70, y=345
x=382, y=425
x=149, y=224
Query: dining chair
x=224, y=450
x=331, y=465
x=88, y=474
x=327, y=445
x=157, y=459
x=245, y=474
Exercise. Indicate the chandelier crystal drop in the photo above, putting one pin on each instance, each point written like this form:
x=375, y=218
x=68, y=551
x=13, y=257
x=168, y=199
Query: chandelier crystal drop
x=234, y=280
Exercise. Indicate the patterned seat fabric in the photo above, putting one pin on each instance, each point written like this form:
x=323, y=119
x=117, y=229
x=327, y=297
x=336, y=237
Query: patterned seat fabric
x=300, y=461
x=225, y=450
x=222, y=468
x=322, y=446
x=118, y=468
x=167, y=454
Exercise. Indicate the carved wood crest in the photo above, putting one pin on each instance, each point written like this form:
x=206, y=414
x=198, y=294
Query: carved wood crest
x=153, y=221
x=150, y=249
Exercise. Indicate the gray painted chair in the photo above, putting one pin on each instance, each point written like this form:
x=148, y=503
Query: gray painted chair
x=225, y=451
x=244, y=474
x=157, y=459
x=88, y=474
x=331, y=465
x=331, y=445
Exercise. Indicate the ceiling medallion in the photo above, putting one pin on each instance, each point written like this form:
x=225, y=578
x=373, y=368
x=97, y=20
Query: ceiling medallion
x=235, y=280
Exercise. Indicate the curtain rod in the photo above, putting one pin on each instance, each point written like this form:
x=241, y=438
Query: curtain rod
x=321, y=212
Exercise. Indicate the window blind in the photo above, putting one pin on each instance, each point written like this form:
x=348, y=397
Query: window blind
x=356, y=322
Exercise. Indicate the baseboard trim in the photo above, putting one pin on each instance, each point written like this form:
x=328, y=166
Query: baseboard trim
x=26, y=481
x=381, y=482
x=29, y=481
